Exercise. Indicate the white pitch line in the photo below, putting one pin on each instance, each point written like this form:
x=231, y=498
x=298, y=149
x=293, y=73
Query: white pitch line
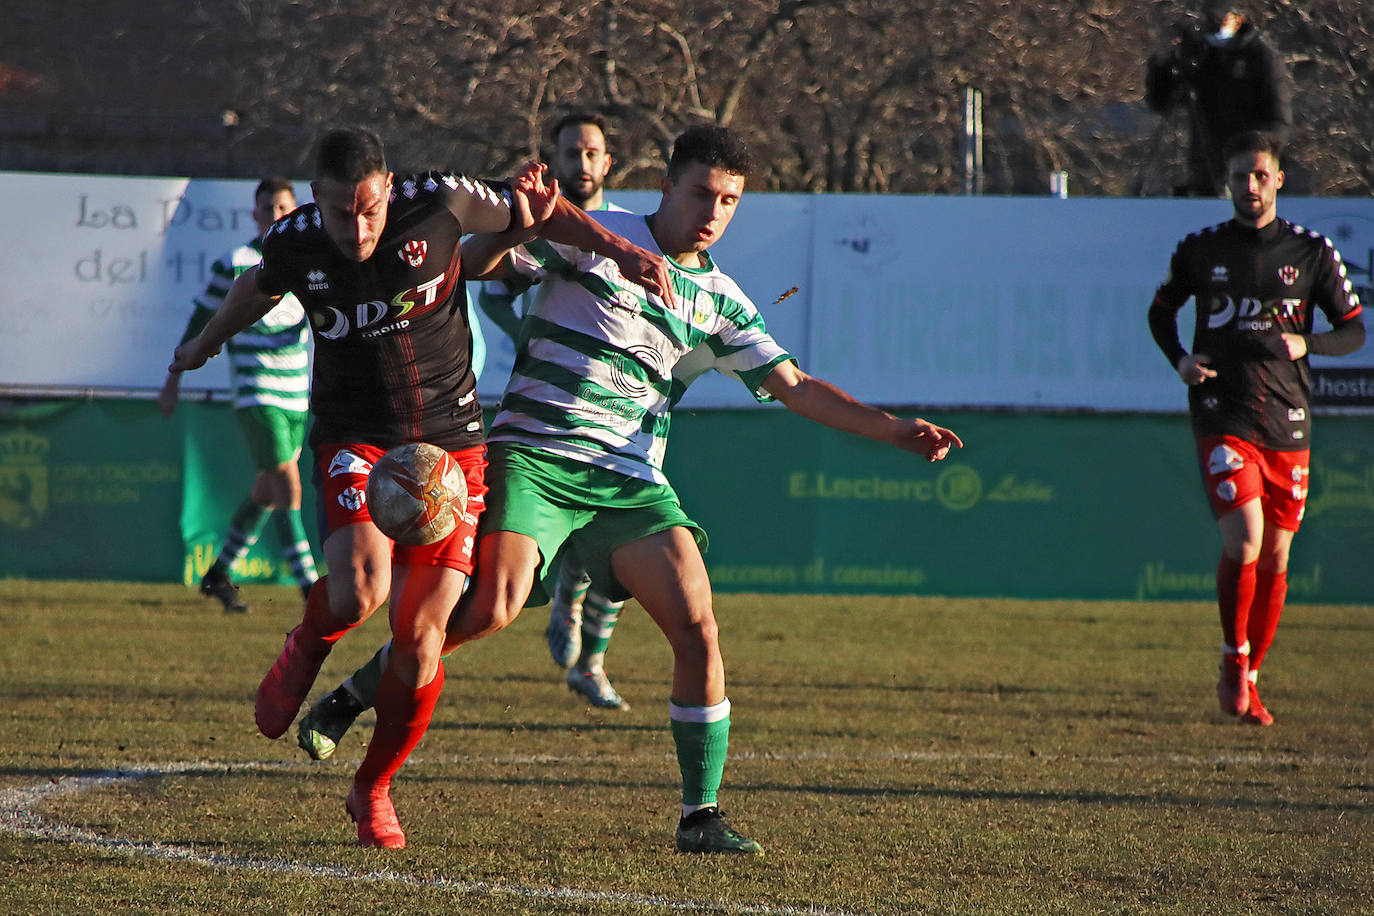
x=17, y=807
x=17, y=817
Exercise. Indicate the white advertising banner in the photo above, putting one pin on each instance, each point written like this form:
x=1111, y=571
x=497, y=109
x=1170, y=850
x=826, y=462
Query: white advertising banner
x=941, y=301
x=100, y=274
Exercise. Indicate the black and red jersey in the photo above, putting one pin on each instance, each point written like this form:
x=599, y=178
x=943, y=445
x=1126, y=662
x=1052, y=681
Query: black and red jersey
x=393, y=349
x=1247, y=283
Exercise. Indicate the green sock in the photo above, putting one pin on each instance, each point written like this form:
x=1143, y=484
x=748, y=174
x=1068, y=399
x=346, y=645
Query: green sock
x=702, y=736
x=363, y=683
x=599, y=617
x=571, y=588
x=244, y=530
x=295, y=545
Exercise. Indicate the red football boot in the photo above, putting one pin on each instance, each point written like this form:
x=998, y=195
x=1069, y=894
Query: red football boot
x=1256, y=714
x=371, y=809
x=1233, y=689
x=286, y=686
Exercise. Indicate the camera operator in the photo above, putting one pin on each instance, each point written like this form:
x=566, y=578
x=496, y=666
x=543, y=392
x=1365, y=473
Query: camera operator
x=1228, y=79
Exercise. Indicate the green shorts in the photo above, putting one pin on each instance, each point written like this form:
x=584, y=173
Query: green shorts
x=274, y=436
x=568, y=505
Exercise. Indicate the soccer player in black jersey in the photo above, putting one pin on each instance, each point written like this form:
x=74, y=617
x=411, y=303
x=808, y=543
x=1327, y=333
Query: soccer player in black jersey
x=375, y=261
x=1257, y=281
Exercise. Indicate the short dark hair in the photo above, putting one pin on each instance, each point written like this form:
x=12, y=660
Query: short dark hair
x=349, y=154
x=273, y=185
x=578, y=117
x=711, y=145
x=1252, y=141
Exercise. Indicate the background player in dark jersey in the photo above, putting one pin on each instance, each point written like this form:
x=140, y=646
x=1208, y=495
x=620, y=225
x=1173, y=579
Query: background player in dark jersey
x=376, y=262
x=1256, y=280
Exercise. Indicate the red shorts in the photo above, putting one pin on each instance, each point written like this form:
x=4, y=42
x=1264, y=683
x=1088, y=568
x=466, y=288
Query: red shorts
x=341, y=470
x=1235, y=471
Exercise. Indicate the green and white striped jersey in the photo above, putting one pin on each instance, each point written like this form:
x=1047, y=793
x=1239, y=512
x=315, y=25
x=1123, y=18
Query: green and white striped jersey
x=269, y=363
x=506, y=301
x=601, y=363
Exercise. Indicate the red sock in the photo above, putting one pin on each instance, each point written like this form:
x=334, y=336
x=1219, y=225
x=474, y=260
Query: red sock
x=1271, y=588
x=320, y=629
x=403, y=715
x=1235, y=595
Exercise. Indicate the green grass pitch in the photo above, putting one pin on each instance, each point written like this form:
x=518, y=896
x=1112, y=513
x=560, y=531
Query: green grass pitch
x=894, y=756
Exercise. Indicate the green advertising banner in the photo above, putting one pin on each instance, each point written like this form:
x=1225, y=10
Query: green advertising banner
x=88, y=491
x=111, y=490
x=1037, y=505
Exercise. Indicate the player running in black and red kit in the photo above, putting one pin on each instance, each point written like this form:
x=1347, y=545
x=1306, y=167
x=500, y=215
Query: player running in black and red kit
x=375, y=261
x=1257, y=281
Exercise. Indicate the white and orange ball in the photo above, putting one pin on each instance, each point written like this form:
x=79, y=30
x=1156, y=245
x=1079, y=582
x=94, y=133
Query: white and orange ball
x=416, y=493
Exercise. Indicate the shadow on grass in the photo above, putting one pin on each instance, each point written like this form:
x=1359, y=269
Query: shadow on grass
x=1028, y=796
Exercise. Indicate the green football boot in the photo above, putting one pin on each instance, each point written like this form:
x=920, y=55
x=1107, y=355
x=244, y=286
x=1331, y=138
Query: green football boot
x=707, y=831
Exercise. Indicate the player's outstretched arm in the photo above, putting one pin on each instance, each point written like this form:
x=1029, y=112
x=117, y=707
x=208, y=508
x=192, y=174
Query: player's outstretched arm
x=567, y=224
x=243, y=305
x=532, y=203
x=570, y=226
x=829, y=405
x=484, y=254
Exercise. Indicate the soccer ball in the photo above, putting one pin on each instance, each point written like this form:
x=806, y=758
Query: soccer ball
x=415, y=493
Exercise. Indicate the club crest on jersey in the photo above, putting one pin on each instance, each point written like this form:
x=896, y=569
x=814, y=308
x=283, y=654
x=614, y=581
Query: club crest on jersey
x=624, y=299
x=702, y=306
x=1288, y=274
x=414, y=251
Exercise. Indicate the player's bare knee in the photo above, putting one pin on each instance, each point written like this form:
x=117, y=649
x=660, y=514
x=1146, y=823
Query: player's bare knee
x=354, y=598
x=695, y=634
x=497, y=615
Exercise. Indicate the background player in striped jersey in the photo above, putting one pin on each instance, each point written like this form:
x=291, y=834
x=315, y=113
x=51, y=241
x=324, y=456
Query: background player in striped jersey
x=269, y=367
x=581, y=617
x=376, y=262
x=1256, y=280
x=576, y=451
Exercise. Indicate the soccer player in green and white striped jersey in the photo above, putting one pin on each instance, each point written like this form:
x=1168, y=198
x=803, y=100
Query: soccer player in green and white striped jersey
x=270, y=373
x=576, y=450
